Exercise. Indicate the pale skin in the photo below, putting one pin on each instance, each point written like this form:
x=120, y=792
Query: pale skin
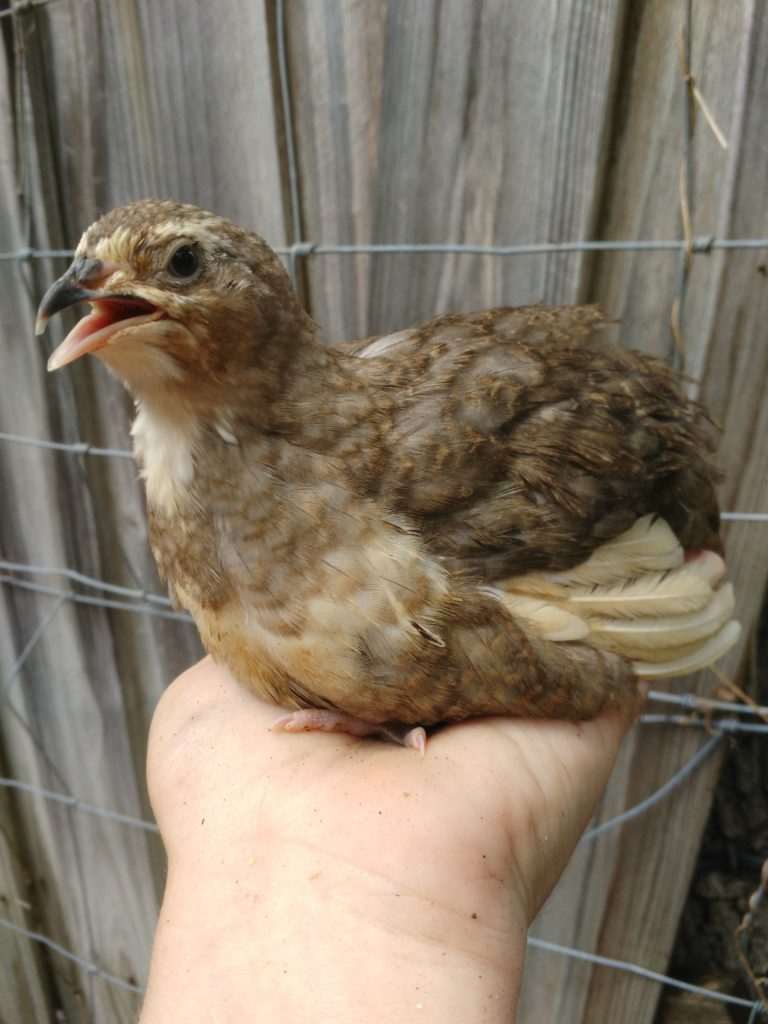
x=320, y=877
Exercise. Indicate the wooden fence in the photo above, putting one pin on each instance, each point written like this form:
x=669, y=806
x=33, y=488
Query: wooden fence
x=483, y=122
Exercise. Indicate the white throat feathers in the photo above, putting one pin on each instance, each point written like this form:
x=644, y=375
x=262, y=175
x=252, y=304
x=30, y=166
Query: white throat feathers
x=165, y=438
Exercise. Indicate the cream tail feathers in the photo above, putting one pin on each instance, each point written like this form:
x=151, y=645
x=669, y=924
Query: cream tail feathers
x=637, y=596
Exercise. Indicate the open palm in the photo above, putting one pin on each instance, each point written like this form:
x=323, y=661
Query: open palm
x=316, y=876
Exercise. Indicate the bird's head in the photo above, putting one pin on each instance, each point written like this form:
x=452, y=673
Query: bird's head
x=178, y=296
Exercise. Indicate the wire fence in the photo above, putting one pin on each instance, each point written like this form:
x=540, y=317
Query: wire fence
x=700, y=712
x=694, y=712
x=719, y=718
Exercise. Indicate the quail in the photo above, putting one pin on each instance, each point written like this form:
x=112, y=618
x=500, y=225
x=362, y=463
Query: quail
x=494, y=513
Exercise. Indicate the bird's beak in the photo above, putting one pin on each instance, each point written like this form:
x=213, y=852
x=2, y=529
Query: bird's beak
x=71, y=288
x=112, y=311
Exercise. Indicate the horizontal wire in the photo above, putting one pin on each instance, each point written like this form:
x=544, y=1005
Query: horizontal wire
x=86, y=581
x=744, y=517
x=87, y=965
x=99, y=602
x=726, y=725
x=78, y=448
x=24, y=255
x=79, y=805
x=643, y=972
x=703, y=244
x=693, y=702
x=20, y=6
x=84, y=448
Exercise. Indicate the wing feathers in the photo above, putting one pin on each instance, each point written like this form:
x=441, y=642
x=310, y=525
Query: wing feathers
x=551, y=620
x=638, y=597
x=652, y=638
x=679, y=592
x=704, y=655
x=648, y=546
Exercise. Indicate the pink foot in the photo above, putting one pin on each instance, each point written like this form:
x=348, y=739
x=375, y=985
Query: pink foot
x=325, y=720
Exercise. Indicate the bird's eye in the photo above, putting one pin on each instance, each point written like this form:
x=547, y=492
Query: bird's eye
x=185, y=262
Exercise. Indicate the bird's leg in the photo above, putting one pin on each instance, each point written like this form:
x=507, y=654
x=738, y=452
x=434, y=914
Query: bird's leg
x=331, y=720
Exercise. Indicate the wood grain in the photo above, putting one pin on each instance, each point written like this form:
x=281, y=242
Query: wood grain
x=437, y=121
x=109, y=118
x=725, y=342
x=445, y=121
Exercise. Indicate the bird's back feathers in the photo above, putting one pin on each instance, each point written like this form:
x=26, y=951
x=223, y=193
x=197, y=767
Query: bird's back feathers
x=523, y=439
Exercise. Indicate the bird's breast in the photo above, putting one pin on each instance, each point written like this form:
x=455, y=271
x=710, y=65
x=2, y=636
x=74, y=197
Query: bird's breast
x=297, y=586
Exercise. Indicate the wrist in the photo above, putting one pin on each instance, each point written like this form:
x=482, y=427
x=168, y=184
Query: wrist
x=284, y=932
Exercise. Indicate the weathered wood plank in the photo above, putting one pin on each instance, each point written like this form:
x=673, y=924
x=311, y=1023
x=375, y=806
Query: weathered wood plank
x=438, y=121
x=448, y=122
x=555, y=984
x=430, y=181
x=124, y=100
x=75, y=738
x=23, y=989
x=422, y=171
x=725, y=342
x=173, y=100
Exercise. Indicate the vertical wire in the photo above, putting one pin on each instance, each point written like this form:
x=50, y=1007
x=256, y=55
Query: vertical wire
x=686, y=191
x=293, y=172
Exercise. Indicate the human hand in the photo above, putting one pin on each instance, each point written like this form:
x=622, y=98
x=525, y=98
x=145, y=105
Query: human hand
x=317, y=877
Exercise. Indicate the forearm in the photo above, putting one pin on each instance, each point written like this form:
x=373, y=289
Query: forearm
x=296, y=937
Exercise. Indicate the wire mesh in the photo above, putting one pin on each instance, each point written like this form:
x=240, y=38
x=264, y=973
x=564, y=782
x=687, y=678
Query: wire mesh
x=690, y=711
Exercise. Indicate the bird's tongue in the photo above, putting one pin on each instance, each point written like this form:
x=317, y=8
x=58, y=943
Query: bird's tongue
x=108, y=316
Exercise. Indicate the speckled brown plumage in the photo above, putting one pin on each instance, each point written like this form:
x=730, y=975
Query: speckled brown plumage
x=523, y=437
x=341, y=522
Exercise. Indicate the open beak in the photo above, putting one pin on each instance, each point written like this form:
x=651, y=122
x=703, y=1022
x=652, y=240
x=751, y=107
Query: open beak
x=111, y=312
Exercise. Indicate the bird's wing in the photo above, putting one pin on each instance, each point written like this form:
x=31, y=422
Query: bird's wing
x=545, y=461
x=523, y=439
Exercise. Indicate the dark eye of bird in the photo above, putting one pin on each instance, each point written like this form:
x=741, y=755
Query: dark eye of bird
x=185, y=262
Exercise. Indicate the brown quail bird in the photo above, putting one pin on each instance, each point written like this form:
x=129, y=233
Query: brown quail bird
x=488, y=514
